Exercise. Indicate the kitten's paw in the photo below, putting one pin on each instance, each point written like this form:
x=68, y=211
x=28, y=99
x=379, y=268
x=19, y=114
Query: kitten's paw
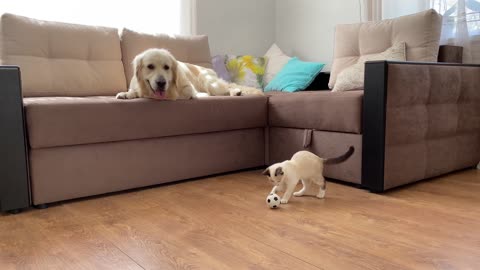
x=298, y=194
x=321, y=194
x=284, y=201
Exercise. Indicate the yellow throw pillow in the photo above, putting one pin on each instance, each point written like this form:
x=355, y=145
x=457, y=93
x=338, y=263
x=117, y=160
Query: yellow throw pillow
x=246, y=70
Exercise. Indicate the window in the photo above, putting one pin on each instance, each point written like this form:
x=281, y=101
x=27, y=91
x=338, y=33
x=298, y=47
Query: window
x=395, y=8
x=461, y=20
x=148, y=16
x=454, y=10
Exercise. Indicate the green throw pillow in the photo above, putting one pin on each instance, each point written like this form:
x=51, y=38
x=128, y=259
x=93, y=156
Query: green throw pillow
x=296, y=75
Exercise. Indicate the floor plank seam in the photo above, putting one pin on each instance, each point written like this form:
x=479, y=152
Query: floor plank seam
x=284, y=252
x=119, y=249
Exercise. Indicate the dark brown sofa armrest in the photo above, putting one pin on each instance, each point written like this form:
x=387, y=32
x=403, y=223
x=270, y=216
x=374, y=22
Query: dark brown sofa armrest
x=420, y=120
x=450, y=54
x=14, y=182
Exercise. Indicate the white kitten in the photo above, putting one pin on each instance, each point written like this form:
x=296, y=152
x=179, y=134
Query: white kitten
x=304, y=166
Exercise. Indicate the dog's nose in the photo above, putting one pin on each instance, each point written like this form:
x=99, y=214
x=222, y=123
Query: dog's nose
x=161, y=83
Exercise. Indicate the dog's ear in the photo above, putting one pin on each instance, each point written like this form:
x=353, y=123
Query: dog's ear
x=179, y=77
x=266, y=172
x=137, y=64
x=279, y=171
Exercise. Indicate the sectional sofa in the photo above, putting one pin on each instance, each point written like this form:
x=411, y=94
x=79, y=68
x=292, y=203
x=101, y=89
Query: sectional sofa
x=65, y=136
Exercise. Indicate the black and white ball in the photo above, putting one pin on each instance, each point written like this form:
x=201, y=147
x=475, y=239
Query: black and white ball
x=273, y=201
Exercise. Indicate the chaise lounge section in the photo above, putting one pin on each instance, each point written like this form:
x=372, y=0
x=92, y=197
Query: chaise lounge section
x=323, y=122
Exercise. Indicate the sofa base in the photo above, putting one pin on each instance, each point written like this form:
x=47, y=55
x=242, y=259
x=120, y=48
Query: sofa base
x=41, y=206
x=63, y=173
x=15, y=211
x=284, y=142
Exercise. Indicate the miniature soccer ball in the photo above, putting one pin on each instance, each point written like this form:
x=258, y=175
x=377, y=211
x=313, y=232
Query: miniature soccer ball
x=273, y=201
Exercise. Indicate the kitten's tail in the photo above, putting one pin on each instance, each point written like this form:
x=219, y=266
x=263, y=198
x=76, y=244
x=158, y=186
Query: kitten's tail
x=341, y=158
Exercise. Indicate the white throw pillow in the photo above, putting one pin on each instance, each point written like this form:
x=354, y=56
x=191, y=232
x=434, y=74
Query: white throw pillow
x=352, y=77
x=276, y=59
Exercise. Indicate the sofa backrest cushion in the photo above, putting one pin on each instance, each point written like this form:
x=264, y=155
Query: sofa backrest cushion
x=60, y=59
x=190, y=49
x=420, y=31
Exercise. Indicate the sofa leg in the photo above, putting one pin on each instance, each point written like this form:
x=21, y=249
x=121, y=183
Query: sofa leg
x=41, y=206
x=374, y=191
x=14, y=211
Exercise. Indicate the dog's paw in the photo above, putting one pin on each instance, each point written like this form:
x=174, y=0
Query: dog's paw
x=198, y=95
x=284, y=201
x=235, y=92
x=122, y=95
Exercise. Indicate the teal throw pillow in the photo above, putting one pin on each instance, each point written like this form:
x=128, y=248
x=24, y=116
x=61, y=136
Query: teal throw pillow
x=296, y=75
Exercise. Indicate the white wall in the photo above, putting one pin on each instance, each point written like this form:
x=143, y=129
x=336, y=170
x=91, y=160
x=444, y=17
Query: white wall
x=237, y=27
x=302, y=28
x=394, y=8
x=305, y=28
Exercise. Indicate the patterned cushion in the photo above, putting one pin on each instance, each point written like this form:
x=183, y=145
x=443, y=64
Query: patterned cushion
x=218, y=65
x=246, y=70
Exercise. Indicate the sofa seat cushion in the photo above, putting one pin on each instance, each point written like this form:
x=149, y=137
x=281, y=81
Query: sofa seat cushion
x=62, y=121
x=320, y=110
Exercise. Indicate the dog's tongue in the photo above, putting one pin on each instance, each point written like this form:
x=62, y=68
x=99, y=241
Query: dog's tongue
x=160, y=94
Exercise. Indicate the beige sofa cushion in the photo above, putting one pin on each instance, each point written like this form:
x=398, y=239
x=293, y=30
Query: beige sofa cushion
x=190, y=49
x=420, y=31
x=276, y=60
x=352, y=78
x=60, y=59
x=319, y=110
x=62, y=121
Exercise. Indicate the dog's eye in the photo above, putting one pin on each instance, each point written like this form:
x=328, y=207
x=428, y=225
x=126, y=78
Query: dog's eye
x=152, y=67
x=166, y=67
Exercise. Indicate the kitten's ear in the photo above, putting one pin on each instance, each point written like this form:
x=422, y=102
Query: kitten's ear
x=266, y=172
x=279, y=171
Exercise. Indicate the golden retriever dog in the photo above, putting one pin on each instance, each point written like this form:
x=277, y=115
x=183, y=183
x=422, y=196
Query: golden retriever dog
x=159, y=75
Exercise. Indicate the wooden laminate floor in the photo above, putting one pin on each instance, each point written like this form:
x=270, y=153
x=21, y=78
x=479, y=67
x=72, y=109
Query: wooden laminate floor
x=223, y=223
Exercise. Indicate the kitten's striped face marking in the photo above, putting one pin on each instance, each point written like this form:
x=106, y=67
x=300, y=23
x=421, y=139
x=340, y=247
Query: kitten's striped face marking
x=274, y=174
